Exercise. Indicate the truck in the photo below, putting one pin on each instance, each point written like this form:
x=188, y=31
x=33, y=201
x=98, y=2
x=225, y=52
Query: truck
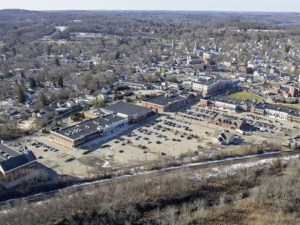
x=240, y=131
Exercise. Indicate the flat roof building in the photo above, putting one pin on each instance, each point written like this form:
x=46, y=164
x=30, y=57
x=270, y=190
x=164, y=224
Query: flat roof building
x=16, y=167
x=168, y=102
x=224, y=103
x=17, y=162
x=101, y=121
x=212, y=84
x=134, y=113
x=80, y=133
x=277, y=111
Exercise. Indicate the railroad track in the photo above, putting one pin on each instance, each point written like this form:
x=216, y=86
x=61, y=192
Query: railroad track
x=202, y=165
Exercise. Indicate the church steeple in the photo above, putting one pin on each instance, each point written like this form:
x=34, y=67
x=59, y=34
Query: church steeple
x=195, y=47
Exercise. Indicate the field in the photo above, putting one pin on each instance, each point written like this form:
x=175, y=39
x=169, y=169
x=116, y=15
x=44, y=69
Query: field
x=245, y=96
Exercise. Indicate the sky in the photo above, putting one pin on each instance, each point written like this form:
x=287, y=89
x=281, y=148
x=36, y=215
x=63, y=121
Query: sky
x=191, y=5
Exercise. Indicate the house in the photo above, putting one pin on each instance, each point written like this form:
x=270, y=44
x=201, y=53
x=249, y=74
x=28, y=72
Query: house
x=192, y=60
x=70, y=103
x=226, y=138
x=133, y=85
x=38, y=114
x=293, y=91
x=106, y=90
x=166, y=85
x=230, y=65
x=61, y=104
x=246, y=69
x=103, y=97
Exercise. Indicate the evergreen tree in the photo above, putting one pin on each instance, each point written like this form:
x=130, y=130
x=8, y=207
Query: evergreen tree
x=49, y=50
x=6, y=72
x=20, y=94
x=60, y=81
x=42, y=100
x=32, y=83
x=57, y=62
x=117, y=55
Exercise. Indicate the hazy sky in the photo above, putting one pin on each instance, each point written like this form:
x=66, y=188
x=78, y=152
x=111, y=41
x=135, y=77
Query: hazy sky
x=220, y=5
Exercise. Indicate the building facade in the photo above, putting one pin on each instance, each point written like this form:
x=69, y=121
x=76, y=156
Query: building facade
x=168, y=102
x=76, y=135
x=209, y=86
x=277, y=112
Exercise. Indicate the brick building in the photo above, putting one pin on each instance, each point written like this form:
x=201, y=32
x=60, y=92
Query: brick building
x=212, y=84
x=79, y=134
x=169, y=102
x=277, y=111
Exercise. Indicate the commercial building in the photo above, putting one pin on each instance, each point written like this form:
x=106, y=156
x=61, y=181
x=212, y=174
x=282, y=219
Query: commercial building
x=229, y=122
x=75, y=135
x=224, y=103
x=16, y=163
x=277, y=111
x=134, y=113
x=227, y=104
x=101, y=121
x=16, y=167
x=213, y=84
x=168, y=102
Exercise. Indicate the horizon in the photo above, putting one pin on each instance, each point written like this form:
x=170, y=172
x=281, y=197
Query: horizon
x=275, y=6
x=144, y=10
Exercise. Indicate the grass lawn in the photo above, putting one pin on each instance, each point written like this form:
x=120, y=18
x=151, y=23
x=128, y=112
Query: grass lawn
x=245, y=96
x=294, y=106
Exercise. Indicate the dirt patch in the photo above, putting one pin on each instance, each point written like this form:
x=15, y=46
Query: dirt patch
x=92, y=161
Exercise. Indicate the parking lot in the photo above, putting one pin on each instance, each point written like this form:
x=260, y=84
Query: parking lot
x=60, y=159
x=165, y=137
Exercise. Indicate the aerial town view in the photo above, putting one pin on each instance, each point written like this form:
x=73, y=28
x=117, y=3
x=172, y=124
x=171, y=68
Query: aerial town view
x=150, y=112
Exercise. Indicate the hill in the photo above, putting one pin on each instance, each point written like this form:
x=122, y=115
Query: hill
x=255, y=195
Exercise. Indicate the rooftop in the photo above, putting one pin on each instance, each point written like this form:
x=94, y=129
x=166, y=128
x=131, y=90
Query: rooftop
x=82, y=129
x=6, y=149
x=128, y=109
x=165, y=99
x=290, y=111
x=225, y=100
x=211, y=79
x=17, y=161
